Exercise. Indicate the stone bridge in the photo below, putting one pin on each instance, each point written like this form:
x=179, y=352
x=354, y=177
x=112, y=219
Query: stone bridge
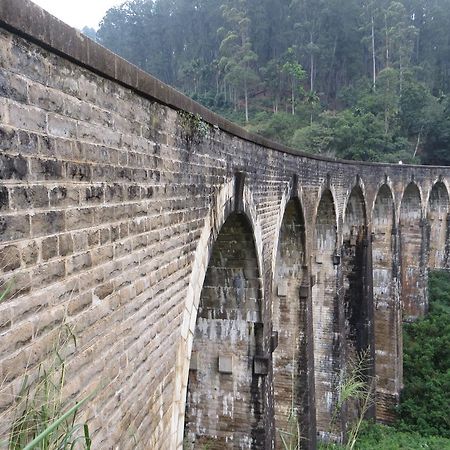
x=215, y=281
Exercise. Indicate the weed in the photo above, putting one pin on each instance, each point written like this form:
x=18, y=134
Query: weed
x=41, y=419
x=195, y=129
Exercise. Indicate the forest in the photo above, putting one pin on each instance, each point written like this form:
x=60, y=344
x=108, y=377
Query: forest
x=354, y=79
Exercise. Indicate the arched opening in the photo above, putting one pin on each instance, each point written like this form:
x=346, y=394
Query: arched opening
x=354, y=274
x=437, y=214
x=387, y=318
x=289, y=313
x=325, y=312
x=224, y=405
x=412, y=253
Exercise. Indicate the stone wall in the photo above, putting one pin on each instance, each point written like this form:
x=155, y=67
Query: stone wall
x=114, y=190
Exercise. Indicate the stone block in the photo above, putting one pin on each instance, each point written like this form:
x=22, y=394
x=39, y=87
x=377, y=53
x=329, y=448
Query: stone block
x=304, y=291
x=193, y=363
x=226, y=364
x=13, y=167
x=282, y=288
x=4, y=198
x=65, y=243
x=24, y=197
x=50, y=222
x=79, y=218
x=27, y=117
x=49, y=248
x=10, y=258
x=63, y=196
x=46, y=169
x=61, y=126
x=14, y=227
x=260, y=365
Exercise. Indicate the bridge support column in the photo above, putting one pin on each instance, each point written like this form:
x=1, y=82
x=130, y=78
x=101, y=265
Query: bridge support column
x=386, y=306
x=413, y=252
x=325, y=315
x=291, y=359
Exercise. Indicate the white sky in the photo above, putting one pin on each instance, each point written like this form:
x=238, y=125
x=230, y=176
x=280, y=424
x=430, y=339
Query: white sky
x=78, y=13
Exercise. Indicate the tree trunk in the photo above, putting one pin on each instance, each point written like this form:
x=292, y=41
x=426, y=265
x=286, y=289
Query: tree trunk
x=401, y=71
x=293, y=95
x=418, y=142
x=386, y=35
x=246, y=101
x=374, y=67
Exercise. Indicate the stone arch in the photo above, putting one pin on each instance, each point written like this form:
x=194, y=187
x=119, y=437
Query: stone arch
x=387, y=317
x=438, y=229
x=228, y=339
x=325, y=310
x=412, y=253
x=291, y=191
x=289, y=314
x=222, y=206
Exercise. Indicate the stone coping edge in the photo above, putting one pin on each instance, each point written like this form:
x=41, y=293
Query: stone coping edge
x=30, y=21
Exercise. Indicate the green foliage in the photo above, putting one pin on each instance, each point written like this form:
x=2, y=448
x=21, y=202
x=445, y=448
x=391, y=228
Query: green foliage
x=194, y=128
x=381, y=437
x=424, y=405
x=379, y=69
x=278, y=127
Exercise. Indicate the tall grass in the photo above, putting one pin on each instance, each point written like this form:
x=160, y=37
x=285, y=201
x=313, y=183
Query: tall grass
x=355, y=393
x=41, y=420
x=291, y=437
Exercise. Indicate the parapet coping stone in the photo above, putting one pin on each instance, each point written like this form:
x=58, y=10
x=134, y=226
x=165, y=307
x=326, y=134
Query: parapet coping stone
x=30, y=21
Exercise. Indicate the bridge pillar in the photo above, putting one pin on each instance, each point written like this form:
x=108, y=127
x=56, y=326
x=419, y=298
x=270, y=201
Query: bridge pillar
x=291, y=361
x=437, y=231
x=386, y=306
x=325, y=306
x=412, y=232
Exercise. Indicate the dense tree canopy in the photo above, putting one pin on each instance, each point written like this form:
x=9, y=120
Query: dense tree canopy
x=363, y=79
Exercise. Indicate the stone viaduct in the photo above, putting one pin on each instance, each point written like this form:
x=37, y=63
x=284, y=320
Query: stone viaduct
x=214, y=280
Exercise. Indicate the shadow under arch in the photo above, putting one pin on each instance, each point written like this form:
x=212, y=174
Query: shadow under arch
x=386, y=310
x=354, y=272
x=223, y=208
x=325, y=311
x=438, y=226
x=292, y=362
x=355, y=311
x=412, y=254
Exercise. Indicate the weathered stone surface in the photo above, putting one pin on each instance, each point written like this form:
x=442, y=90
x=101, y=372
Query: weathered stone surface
x=112, y=216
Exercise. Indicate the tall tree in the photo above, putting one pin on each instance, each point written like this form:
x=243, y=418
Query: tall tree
x=237, y=56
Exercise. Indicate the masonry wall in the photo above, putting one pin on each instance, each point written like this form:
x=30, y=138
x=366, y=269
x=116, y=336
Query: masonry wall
x=112, y=194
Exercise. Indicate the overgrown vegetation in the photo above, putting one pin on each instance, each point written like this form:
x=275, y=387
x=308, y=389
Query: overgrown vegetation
x=381, y=437
x=425, y=406
x=356, y=396
x=355, y=79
